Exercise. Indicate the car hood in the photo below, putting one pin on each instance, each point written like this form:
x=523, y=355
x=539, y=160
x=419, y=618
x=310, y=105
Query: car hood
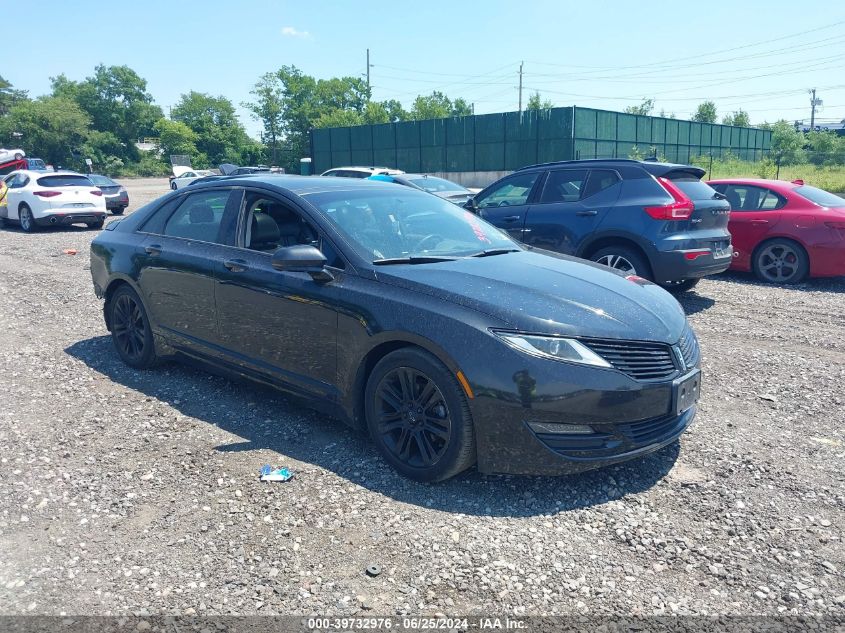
x=547, y=293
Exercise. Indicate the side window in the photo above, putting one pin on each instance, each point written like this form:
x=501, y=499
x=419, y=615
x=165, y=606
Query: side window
x=750, y=198
x=18, y=181
x=199, y=217
x=155, y=223
x=599, y=180
x=512, y=191
x=565, y=185
x=270, y=224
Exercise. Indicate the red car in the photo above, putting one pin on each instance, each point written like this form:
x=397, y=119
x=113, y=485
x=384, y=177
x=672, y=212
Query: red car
x=784, y=231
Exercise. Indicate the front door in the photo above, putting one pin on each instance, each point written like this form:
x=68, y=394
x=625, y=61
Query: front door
x=279, y=323
x=505, y=204
x=753, y=215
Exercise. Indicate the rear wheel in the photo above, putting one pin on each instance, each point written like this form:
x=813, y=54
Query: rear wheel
x=118, y=211
x=130, y=329
x=682, y=285
x=624, y=259
x=418, y=416
x=173, y=186
x=96, y=224
x=781, y=261
x=27, y=219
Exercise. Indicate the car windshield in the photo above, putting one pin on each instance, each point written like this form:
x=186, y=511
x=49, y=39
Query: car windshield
x=820, y=196
x=64, y=180
x=432, y=184
x=36, y=164
x=386, y=224
x=102, y=181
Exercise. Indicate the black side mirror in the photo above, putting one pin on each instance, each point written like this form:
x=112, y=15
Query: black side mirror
x=302, y=258
x=470, y=205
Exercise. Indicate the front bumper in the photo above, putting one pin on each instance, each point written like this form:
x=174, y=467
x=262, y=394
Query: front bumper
x=84, y=216
x=554, y=418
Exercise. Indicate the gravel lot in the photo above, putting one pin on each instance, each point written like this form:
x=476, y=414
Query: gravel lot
x=125, y=492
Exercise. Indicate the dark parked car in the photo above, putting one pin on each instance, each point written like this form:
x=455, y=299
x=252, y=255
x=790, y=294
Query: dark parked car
x=405, y=315
x=655, y=220
x=117, y=198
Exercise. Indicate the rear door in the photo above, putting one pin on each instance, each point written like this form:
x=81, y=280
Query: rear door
x=505, y=204
x=177, y=261
x=754, y=213
x=572, y=204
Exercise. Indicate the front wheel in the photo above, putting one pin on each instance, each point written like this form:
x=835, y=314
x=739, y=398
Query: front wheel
x=418, y=416
x=27, y=219
x=173, y=186
x=623, y=259
x=118, y=211
x=781, y=262
x=130, y=329
x=97, y=224
x=682, y=285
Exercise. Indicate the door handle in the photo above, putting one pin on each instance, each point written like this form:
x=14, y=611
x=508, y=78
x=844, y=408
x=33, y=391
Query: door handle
x=153, y=249
x=235, y=265
x=759, y=222
x=587, y=212
x=511, y=218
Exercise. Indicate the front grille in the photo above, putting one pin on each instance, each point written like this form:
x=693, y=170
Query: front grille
x=643, y=361
x=689, y=348
x=649, y=431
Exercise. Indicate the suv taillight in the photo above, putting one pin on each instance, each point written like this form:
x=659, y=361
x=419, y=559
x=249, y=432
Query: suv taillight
x=680, y=209
x=47, y=194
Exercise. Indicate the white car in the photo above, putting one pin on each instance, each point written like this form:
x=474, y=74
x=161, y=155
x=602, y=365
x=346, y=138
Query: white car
x=361, y=172
x=7, y=155
x=187, y=177
x=37, y=198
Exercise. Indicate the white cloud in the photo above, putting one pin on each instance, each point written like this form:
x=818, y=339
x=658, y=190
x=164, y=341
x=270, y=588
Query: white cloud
x=289, y=31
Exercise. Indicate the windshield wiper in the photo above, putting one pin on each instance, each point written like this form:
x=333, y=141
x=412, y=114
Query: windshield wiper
x=495, y=251
x=416, y=259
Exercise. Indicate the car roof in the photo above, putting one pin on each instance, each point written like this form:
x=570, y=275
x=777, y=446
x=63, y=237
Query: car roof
x=769, y=182
x=40, y=173
x=652, y=166
x=367, y=168
x=301, y=185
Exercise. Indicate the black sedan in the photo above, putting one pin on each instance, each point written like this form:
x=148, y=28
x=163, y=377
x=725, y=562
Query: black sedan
x=404, y=315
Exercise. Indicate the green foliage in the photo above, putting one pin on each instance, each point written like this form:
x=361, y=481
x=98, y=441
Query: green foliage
x=644, y=109
x=739, y=118
x=175, y=137
x=438, y=106
x=9, y=97
x=50, y=128
x=787, y=147
x=535, y=103
x=705, y=113
x=269, y=108
x=826, y=148
x=219, y=134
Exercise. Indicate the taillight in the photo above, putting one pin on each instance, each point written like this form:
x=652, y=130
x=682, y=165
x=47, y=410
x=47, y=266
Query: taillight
x=96, y=192
x=680, y=209
x=836, y=225
x=47, y=194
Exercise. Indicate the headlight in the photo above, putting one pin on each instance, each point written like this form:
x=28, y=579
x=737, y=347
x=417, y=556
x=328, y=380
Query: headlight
x=552, y=347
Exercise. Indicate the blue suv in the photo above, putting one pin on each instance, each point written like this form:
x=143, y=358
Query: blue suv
x=654, y=220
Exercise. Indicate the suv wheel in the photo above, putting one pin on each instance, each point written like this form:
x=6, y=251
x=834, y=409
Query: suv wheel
x=26, y=218
x=418, y=416
x=623, y=258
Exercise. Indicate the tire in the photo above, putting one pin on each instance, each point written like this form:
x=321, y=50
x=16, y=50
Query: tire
x=173, y=186
x=683, y=285
x=3, y=223
x=18, y=156
x=780, y=261
x=26, y=218
x=118, y=211
x=425, y=441
x=96, y=225
x=623, y=258
x=130, y=329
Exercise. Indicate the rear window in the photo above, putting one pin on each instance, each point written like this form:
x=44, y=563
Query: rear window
x=694, y=188
x=102, y=181
x=64, y=181
x=820, y=196
x=431, y=183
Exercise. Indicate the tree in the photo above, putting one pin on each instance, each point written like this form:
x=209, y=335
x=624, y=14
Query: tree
x=339, y=118
x=787, y=143
x=705, y=113
x=535, y=103
x=175, y=137
x=395, y=111
x=51, y=128
x=116, y=100
x=663, y=114
x=827, y=148
x=438, y=106
x=219, y=134
x=269, y=108
x=645, y=108
x=9, y=97
x=739, y=118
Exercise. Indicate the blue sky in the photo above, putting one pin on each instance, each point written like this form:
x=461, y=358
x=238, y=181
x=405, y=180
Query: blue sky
x=759, y=56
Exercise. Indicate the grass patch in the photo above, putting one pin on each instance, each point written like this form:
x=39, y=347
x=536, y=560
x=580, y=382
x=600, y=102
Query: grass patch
x=829, y=178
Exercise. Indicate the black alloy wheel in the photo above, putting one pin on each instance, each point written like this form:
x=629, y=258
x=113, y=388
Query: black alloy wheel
x=130, y=329
x=418, y=416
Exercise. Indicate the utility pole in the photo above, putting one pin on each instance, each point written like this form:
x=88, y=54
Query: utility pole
x=520, y=86
x=368, y=69
x=813, y=104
